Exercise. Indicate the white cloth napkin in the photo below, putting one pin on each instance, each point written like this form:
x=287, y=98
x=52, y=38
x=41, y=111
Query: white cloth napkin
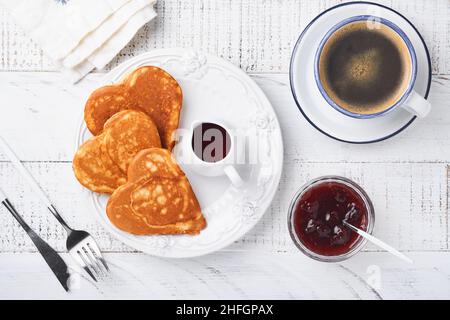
x=80, y=35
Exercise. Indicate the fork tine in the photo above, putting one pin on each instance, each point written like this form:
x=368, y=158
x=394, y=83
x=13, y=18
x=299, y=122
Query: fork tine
x=94, y=260
x=91, y=262
x=81, y=261
x=90, y=273
x=86, y=264
x=97, y=253
x=104, y=263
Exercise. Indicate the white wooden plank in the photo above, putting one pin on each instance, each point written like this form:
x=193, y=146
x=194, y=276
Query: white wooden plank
x=236, y=275
x=255, y=35
x=424, y=141
x=42, y=124
x=41, y=114
x=58, y=181
x=410, y=201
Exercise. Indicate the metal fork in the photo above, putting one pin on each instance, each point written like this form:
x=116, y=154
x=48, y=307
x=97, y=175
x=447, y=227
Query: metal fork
x=80, y=244
x=83, y=248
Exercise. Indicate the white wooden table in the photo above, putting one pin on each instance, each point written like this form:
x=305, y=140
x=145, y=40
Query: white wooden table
x=407, y=176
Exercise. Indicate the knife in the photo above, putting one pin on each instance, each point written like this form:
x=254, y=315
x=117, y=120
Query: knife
x=53, y=259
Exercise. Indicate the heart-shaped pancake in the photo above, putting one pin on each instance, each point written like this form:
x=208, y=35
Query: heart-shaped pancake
x=101, y=163
x=157, y=199
x=94, y=169
x=148, y=89
x=127, y=133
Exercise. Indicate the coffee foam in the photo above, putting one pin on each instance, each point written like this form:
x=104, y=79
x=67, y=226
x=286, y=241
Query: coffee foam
x=364, y=67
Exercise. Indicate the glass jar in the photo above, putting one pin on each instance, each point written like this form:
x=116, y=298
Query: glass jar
x=346, y=184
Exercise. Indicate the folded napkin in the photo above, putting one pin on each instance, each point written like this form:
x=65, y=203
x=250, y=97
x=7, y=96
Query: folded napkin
x=80, y=35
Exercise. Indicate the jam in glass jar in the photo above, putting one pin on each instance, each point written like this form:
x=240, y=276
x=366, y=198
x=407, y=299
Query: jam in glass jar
x=317, y=214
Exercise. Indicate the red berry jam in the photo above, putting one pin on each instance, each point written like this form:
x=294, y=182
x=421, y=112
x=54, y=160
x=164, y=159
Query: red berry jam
x=319, y=215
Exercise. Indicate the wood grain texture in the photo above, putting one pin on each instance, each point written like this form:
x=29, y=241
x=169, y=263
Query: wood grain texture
x=44, y=112
x=236, y=275
x=410, y=201
x=256, y=35
x=408, y=182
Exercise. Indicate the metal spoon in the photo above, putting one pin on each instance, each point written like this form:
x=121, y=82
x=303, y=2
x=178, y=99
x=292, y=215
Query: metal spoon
x=378, y=243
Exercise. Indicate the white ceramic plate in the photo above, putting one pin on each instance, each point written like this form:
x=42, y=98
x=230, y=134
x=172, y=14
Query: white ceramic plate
x=212, y=87
x=313, y=105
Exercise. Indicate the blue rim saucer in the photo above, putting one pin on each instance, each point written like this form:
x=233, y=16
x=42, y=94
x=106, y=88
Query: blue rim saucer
x=295, y=95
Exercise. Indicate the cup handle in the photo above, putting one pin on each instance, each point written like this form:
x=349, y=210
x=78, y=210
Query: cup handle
x=234, y=176
x=417, y=105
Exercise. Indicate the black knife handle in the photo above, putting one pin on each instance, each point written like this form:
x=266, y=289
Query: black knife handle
x=53, y=259
x=16, y=215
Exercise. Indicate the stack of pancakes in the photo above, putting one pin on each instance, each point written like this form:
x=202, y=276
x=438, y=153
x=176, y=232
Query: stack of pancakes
x=133, y=123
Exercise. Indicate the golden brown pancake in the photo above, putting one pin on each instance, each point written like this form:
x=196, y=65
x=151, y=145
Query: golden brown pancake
x=157, y=199
x=148, y=89
x=101, y=163
x=127, y=133
x=94, y=169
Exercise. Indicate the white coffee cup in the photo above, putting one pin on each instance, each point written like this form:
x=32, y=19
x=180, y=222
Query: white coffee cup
x=409, y=100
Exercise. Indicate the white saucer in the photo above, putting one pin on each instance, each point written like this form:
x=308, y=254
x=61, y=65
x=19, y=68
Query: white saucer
x=316, y=109
x=212, y=87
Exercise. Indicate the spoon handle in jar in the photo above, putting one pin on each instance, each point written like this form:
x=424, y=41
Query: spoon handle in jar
x=379, y=243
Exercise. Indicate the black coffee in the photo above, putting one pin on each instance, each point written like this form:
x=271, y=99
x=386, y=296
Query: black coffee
x=211, y=142
x=365, y=70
